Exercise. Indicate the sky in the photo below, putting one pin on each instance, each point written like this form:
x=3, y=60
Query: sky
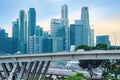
x=104, y=14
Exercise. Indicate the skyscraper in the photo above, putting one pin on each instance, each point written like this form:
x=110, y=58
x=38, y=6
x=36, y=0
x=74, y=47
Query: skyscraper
x=76, y=34
x=15, y=29
x=39, y=39
x=31, y=21
x=87, y=33
x=57, y=37
x=3, y=34
x=86, y=26
x=65, y=23
x=31, y=46
x=104, y=39
x=22, y=31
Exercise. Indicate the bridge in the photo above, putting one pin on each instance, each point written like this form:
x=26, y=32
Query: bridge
x=30, y=66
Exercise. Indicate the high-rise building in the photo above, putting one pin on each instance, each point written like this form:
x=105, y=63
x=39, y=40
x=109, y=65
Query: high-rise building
x=57, y=44
x=86, y=26
x=39, y=39
x=15, y=29
x=3, y=34
x=76, y=34
x=39, y=31
x=87, y=34
x=92, y=37
x=8, y=46
x=31, y=21
x=47, y=45
x=65, y=23
x=22, y=31
x=57, y=35
x=104, y=39
x=31, y=31
x=32, y=44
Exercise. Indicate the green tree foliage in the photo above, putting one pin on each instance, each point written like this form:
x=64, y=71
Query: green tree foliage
x=86, y=48
x=78, y=76
x=90, y=65
x=101, y=46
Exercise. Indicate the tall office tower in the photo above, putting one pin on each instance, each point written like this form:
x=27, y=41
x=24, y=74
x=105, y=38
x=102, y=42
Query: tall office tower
x=76, y=34
x=65, y=23
x=31, y=30
x=45, y=34
x=86, y=26
x=3, y=34
x=92, y=37
x=22, y=31
x=31, y=21
x=47, y=45
x=88, y=33
x=15, y=29
x=8, y=46
x=56, y=34
x=39, y=39
x=104, y=39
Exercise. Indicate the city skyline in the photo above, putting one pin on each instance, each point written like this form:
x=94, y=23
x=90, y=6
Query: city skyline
x=104, y=17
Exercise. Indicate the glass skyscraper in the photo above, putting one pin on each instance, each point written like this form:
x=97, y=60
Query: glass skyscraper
x=31, y=21
x=104, y=39
x=65, y=23
x=15, y=29
x=22, y=31
x=31, y=31
x=86, y=26
x=57, y=37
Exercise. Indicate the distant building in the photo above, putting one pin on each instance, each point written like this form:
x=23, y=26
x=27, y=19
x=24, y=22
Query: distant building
x=47, y=45
x=103, y=40
x=39, y=31
x=8, y=46
x=31, y=21
x=57, y=44
x=56, y=24
x=80, y=32
x=76, y=37
x=58, y=35
x=3, y=34
x=86, y=26
x=45, y=34
x=22, y=31
x=65, y=23
x=15, y=29
x=92, y=37
x=39, y=39
x=31, y=46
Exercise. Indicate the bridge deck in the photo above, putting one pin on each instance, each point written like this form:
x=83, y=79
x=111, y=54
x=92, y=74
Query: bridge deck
x=82, y=55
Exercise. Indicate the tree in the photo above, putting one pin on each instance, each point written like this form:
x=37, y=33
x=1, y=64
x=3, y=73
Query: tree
x=101, y=46
x=78, y=76
x=85, y=47
x=90, y=65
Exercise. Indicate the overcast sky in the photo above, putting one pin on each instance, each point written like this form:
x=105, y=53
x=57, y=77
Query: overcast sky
x=104, y=14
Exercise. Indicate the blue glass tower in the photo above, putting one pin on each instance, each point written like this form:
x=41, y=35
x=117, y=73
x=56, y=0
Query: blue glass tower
x=31, y=21
x=31, y=31
x=22, y=31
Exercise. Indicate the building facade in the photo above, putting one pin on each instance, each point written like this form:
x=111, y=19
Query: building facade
x=104, y=39
x=31, y=31
x=22, y=31
x=65, y=23
x=56, y=34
